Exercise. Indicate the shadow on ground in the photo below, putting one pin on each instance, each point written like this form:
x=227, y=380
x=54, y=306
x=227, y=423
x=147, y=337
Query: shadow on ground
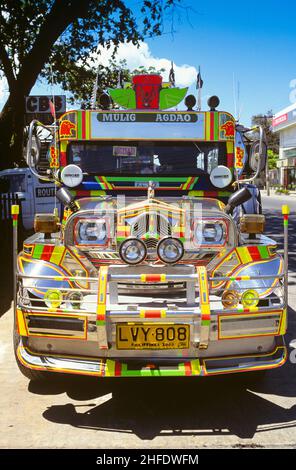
x=226, y=405
x=152, y=407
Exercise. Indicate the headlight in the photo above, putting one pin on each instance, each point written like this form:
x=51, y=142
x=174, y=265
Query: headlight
x=133, y=251
x=170, y=250
x=210, y=233
x=91, y=232
x=74, y=300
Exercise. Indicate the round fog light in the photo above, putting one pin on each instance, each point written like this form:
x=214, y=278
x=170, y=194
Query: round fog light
x=74, y=299
x=170, y=250
x=250, y=298
x=53, y=298
x=230, y=299
x=132, y=251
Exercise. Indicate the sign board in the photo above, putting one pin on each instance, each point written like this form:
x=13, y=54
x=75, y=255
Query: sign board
x=161, y=126
x=284, y=120
x=38, y=107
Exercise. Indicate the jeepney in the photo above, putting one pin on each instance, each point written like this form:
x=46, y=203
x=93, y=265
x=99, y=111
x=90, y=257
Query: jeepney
x=158, y=266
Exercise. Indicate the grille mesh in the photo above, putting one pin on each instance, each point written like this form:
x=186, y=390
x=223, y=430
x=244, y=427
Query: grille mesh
x=151, y=224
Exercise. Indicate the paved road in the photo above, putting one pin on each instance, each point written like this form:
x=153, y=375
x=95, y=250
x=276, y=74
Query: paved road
x=170, y=413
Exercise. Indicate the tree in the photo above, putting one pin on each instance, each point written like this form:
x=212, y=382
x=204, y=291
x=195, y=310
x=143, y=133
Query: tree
x=80, y=80
x=272, y=159
x=272, y=139
x=65, y=34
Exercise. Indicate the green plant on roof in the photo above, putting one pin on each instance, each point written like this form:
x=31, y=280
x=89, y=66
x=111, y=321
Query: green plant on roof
x=123, y=97
x=168, y=97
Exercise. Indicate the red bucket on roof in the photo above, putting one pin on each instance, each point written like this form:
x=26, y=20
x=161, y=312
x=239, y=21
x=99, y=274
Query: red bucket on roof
x=147, y=88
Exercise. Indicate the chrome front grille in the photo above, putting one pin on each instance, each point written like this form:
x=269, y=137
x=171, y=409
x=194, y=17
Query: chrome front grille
x=151, y=228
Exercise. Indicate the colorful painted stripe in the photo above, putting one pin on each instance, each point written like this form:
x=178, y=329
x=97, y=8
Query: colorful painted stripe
x=115, y=369
x=153, y=277
x=83, y=125
x=21, y=323
x=212, y=125
x=230, y=153
x=204, y=303
x=63, y=153
x=190, y=183
x=101, y=308
x=50, y=253
x=247, y=254
x=161, y=313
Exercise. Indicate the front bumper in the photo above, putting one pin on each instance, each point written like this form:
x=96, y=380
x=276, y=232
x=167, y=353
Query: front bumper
x=104, y=367
x=84, y=341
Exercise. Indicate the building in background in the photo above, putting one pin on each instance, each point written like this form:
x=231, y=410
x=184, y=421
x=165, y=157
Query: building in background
x=284, y=122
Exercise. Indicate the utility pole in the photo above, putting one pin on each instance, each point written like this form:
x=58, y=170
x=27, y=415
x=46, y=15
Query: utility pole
x=267, y=178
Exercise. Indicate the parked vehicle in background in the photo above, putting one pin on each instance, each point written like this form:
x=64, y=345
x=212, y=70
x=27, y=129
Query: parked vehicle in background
x=35, y=195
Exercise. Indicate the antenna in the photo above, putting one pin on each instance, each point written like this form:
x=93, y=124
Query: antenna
x=95, y=89
x=53, y=111
x=234, y=96
x=238, y=100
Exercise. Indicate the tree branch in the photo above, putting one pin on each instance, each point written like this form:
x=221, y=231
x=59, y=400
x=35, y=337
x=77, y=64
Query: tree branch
x=61, y=15
x=4, y=58
x=7, y=67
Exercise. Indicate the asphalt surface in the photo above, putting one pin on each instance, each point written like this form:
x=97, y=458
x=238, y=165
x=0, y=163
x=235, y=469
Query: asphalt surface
x=75, y=412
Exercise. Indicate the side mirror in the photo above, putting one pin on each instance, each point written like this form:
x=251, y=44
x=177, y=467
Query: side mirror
x=258, y=156
x=236, y=199
x=35, y=150
x=33, y=146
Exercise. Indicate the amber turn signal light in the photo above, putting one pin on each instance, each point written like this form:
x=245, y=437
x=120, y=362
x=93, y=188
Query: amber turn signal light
x=46, y=223
x=252, y=223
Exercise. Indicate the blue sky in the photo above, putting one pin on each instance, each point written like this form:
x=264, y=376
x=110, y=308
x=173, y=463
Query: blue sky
x=254, y=40
x=253, y=44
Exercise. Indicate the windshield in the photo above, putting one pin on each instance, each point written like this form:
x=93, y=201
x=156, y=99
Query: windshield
x=155, y=158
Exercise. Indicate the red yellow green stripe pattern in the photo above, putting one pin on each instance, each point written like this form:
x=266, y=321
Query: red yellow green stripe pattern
x=212, y=126
x=247, y=254
x=119, y=369
x=230, y=153
x=83, y=125
x=50, y=253
x=286, y=212
x=63, y=153
x=204, y=304
x=15, y=210
x=153, y=278
x=160, y=313
x=101, y=308
x=189, y=184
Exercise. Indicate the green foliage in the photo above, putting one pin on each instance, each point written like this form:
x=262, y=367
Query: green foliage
x=272, y=159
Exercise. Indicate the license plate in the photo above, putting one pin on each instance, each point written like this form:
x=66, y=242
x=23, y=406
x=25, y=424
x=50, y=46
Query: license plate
x=152, y=336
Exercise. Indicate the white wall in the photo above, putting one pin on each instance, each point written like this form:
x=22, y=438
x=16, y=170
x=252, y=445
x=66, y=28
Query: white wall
x=288, y=137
